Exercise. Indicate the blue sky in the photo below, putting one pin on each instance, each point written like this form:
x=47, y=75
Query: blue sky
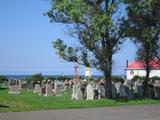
x=25, y=41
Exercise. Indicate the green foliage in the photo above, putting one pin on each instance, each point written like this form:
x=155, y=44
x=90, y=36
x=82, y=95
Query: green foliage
x=90, y=79
x=97, y=33
x=63, y=78
x=117, y=79
x=35, y=77
x=136, y=77
x=142, y=25
x=100, y=78
x=50, y=78
x=154, y=78
x=92, y=24
x=65, y=52
x=144, y=19
x=2, y=78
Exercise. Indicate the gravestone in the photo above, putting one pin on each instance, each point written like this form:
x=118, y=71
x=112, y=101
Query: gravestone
x=123, y=92
x=20, y=84
x=48, y=90
x=30, y=86
x=96, y=88
x=83, y=88
x=74, y=91
x=127, y=85
x=157, y=88
x=102, y=91
x=90, y=92
x=138, y=88
x=79, y=94
x=57, y=88
x=5, y=84
x=14, y=89
x=131, y=91
x=118, y=86
x=136, y=84
x=150, y=91
x=113, y=90
x=37, y=88
x=120, y=90
x=43, y=90
x=66, y=85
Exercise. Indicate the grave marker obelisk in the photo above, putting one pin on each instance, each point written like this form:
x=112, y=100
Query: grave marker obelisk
x=76, y=76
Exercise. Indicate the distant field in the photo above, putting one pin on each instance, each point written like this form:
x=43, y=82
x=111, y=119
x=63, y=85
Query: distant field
x=28, y=101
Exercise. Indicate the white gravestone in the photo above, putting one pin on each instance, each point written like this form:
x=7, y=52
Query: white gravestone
x=74, y=91
x=20, y=84
x=57, y=88
x=102, y=91
x=118, y=86
x=37, y=88
x=90, y=92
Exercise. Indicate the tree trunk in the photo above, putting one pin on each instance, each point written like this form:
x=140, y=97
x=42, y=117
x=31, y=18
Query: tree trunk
x=108, y=86
x=108, y=79
x=147, y=77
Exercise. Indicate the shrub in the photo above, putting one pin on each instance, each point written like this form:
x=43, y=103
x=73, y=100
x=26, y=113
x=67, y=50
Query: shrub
x=35, y=77
x=136, y=77
x=51, y=78
x=100, y=78
x=63, y=78
x=2, y=78
x=117, y=79
x=155, y=78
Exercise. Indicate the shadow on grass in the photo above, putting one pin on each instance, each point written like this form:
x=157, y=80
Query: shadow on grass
x=134, y=99
x=122, y=100
x=4, y=106
x=3, y=88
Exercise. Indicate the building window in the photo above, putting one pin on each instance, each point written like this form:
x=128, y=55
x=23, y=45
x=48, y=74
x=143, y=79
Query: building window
x=131, y=72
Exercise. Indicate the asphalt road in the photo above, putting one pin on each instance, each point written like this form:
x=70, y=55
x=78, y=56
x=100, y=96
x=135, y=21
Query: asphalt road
x=141, y=112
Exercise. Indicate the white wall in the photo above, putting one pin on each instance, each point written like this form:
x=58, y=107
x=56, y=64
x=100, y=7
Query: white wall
x=131, y=73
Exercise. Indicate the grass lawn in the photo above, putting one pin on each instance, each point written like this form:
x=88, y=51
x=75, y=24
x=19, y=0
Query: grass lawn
x=29, y=101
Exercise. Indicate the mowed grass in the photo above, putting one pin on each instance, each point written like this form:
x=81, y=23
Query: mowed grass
x=29, y=101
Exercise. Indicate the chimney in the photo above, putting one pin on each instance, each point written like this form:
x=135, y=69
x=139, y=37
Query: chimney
x=126, y=63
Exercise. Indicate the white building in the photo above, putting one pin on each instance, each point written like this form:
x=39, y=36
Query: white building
x=138, y=68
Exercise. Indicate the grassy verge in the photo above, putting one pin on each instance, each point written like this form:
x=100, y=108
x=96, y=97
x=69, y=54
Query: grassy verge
x=28, y=101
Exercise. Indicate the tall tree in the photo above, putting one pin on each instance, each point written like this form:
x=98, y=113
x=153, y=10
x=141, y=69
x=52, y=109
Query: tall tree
x=143, y=26
x=97, y=33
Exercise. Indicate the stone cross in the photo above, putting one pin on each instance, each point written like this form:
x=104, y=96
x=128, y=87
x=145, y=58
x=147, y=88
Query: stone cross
x=76, y=76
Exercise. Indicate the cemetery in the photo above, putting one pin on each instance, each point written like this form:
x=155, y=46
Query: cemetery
x=44, y=94
x=61, y=57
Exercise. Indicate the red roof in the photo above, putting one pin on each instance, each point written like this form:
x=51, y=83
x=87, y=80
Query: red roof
x=139, y=65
